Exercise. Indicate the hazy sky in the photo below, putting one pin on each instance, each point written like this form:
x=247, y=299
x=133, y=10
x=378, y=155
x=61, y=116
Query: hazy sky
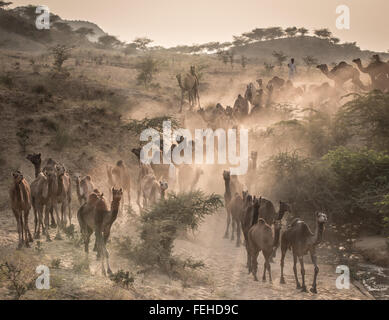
x=172, y=22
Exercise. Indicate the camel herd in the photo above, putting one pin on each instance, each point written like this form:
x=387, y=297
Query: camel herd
x=261, y=227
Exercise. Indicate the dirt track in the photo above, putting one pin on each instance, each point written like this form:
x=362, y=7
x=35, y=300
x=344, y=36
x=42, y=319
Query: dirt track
x=224, y=276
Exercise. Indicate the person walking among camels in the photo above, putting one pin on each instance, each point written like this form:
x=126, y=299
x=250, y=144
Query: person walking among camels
x=292, y=69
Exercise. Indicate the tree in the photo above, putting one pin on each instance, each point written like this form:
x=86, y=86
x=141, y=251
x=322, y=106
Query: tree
x=323, y=33
x=83, y=31
x=335, y=40
x=310, y=61
x=240, y=41
x=142, y=43
x=273, y=33
x=129, y=49
x=302, y=31
x=291, y=31
x=61, y=53
x=280, y=57
x=108, y=41
x=147, y=68
x=231, y=56
x=4, y=4
x=255, y=35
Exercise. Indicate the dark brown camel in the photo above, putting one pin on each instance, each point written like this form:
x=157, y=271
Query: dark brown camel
x=299, y=238
x=20, y=196
x=94, y=216
x=189, y=84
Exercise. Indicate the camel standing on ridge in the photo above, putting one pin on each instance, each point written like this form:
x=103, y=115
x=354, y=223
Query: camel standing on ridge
x=299, y=238
x=94, y=216
x=342, y=73
x=20, y=196
x=64, y=194
x=189, y=84
x=378, y=72
x=84, y=188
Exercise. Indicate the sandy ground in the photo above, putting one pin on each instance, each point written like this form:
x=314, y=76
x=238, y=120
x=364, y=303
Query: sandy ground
x=223, y=277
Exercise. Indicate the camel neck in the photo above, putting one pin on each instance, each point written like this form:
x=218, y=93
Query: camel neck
x=115, y=207
x=319, y=233
x=37, y=167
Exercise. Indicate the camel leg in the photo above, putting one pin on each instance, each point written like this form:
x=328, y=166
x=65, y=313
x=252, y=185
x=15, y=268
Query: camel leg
x=26, y=226
x=39, y=214
x=264, y=272
x=238, y=234
x=87, y=233
x=267, y=264
x=69, y=212
x=303, y=288
x=105, y=240
x=233, y=230
x=63, y=214
x=254, y=264
x=53, y=224
x=298, y=286
x=283, y=253
x=228, y=223
x=47, y=221
x=18, y=226
x=182, y=99
x=59, y=222
x=314, y=261
x=34, y=208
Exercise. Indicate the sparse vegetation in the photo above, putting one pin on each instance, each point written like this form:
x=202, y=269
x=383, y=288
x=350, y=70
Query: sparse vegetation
x=147, y=68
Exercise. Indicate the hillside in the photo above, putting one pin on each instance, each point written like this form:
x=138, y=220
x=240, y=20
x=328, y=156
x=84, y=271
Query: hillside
x=76, y=24
x=299, y=47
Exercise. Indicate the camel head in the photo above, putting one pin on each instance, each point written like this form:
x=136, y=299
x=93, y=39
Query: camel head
x=117, y=194
x=60, y=168
x=357, y=61
x=136, y=152
x=376, y=58
x=323, y=68
x=260, y=82
x=163, y=185
x=120, y=163
x=35, y=158
x=226, y=175
x=193, y=70
x=254, y=155
x=17, y=176
x=321, y=217
x=245, y=194
x=257, y=202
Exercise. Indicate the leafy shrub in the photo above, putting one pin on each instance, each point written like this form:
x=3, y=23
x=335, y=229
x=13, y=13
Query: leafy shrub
x=18, y=280
x=55, y=263
x=161, y=224
x=147, y=68
x=122, y=278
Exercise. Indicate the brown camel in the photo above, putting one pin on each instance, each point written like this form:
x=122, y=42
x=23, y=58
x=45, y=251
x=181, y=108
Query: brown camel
x=36, y=160
x=94, y=216
x=119, y=177
x=84, y=188
x=189, y=84
x=152, y=189
x=20, y=196
x=299, y=238
x=236, y=210
x=64, y=194
x=241, y=107
x=261, y=238
x=342, y=73
x=250, y=176
x=39, y=198
x=378, y=72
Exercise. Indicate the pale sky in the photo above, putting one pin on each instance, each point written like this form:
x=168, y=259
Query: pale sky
x=173, y=22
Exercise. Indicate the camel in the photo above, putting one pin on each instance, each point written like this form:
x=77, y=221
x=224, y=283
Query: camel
x=64, y=194
x=94, y=216
x=299, y=238
x=378, y=72
x=255, y=97
x=84, y=188
x=189, y=84
x=20, y=196
x=236, y=210
x=260, y=238
x=241, y=107
x=39, y=198
x=119, y=177
x=342, y=73
x=152, y=189
x=36, y=160
x=250, y=176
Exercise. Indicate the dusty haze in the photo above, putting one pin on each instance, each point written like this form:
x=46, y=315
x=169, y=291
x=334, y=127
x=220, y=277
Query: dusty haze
x=173, y=22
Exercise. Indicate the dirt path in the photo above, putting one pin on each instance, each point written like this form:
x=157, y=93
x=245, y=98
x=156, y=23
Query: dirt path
x=223, y=277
